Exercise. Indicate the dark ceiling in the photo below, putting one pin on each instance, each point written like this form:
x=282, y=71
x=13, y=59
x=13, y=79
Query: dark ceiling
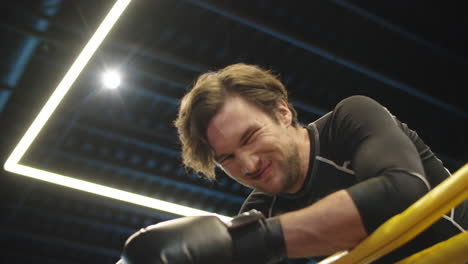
x=409, y=55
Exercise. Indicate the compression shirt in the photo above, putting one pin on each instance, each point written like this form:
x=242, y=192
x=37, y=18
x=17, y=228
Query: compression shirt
x=385, y=167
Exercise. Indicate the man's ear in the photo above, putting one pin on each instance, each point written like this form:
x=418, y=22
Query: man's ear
x=284, y=113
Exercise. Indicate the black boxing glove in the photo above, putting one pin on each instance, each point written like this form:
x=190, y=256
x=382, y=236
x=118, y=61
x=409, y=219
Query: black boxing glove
x=247, y=238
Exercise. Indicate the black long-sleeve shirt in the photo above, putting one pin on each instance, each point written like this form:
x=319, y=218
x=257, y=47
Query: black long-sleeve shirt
x=384, y=166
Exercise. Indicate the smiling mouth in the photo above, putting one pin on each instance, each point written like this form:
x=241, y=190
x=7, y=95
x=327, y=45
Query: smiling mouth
x=261, y=174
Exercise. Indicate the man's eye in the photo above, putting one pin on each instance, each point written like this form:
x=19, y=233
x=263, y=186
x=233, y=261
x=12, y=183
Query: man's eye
x=250, y=139
x=228, y=157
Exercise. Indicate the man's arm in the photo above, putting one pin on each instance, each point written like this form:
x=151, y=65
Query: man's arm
x=249, y=238
x=391, y=178
x=328, y=226
x=385, y=161
x=390, y=174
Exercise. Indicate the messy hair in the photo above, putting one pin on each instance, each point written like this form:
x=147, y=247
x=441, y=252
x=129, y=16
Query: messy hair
x=256, y=85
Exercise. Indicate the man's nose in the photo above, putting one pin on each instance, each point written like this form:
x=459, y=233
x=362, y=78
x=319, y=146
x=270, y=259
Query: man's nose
x=248, y=162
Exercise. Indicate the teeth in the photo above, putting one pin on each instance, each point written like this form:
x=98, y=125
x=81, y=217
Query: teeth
x=260, y=173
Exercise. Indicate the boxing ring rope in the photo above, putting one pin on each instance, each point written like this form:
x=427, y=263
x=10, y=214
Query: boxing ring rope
x=453, y=250
x=403, y=227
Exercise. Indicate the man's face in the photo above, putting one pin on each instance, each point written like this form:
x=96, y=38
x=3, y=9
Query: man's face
x=253, y=148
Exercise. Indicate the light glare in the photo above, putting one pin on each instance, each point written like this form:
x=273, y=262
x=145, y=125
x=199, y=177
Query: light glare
x=111, y=79
x=12, y=163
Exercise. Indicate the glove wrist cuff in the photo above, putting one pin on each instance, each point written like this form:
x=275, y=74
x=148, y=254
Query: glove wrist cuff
x=256, y=239
x=275, y=237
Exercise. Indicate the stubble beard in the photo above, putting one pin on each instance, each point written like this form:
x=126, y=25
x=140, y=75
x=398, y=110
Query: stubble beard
x=292, y=170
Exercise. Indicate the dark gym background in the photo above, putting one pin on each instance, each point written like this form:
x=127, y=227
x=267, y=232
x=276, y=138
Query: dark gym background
x=409, y=55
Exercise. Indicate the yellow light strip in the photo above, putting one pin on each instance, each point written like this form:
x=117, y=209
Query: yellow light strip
x=12, y=164
x=111, y=192
x=67, y=82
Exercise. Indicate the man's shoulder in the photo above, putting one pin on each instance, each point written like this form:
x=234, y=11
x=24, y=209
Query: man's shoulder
x=349, y=106
x=359, y=111
x=356, y=104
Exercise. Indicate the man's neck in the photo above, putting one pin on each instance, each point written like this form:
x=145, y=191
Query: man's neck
x=303, y=144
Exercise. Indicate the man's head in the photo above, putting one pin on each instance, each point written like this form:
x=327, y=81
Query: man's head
x=257, y=89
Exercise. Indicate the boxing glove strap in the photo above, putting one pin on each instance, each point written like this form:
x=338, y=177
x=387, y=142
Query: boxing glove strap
x=256, y=239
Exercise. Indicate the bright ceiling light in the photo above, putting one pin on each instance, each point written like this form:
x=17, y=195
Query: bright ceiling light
x=12, y=163
x=111, y=79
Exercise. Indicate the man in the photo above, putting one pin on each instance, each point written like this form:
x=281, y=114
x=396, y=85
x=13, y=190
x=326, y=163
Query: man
x=323, y=188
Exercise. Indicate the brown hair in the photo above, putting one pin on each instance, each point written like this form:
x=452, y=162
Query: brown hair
x=258, y=86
